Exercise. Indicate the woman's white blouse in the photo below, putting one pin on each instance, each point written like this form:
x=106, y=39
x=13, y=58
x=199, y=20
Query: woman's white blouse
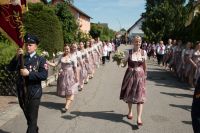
x=140, y=57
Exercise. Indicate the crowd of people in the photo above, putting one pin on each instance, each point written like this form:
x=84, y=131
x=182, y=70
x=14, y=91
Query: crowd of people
x=184, y=61
x=181, y=58
x=79, y=61
x=78, y=64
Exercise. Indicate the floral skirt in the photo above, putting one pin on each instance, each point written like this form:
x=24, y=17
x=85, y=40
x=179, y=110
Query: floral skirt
x=133, y=86
x=66, y=84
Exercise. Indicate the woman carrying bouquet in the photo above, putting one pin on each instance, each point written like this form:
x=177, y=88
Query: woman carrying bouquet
x=133, y=85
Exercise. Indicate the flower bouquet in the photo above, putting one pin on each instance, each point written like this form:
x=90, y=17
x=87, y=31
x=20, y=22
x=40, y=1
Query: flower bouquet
x=118, y=56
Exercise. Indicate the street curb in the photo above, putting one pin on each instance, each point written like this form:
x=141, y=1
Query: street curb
x=15, y=109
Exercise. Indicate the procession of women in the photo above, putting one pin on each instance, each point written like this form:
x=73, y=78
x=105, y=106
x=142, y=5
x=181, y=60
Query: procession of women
x=79, y=62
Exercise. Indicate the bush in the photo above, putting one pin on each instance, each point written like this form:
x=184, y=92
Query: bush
x=41, y=20
x=83, y=37
x=99, y=30
x=7, y=51
x=7, y=79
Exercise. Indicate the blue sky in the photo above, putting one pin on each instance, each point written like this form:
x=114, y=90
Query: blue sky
x=117, y=13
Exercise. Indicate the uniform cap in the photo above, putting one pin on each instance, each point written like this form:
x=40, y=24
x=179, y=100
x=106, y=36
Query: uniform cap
x=28, y=38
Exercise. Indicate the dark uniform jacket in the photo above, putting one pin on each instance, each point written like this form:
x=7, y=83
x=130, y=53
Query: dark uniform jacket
x=37, y=68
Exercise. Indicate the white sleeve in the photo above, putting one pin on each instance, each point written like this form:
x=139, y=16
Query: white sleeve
x=158, y=49
x=79, y=55
x=145, y=55
x=74, y=61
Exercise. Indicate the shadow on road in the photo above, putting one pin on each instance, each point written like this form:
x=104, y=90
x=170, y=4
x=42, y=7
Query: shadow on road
x=187, y=122
x=185, y=107
x=166, y=79
x=104, y=115
x=177, y=95
x=1, y=131
x=52, y=105
x=50, y=93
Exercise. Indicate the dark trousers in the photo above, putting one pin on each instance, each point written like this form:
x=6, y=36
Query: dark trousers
x=31, y=114
x=160, y=58
x=195, y=113
x=196, y=116
x=108, y=57
x=103, y=59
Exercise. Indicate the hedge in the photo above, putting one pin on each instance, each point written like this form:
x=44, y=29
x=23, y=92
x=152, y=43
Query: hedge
x=42, y=21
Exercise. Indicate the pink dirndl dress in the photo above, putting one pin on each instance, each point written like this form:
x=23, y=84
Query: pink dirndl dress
x=196, y=71
x=66, y=84
x=133, y=85
x=83, y=72
x=90, y=62
x=187, y=65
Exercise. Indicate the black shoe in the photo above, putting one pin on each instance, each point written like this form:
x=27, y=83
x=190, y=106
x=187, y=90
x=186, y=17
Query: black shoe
x=80, y=89
x=64, y=110
x=37, y=130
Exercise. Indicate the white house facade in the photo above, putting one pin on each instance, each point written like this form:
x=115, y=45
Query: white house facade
x=135, y=29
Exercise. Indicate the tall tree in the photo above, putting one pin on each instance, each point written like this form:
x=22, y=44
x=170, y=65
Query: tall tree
x=69, y=24
x=164, y=19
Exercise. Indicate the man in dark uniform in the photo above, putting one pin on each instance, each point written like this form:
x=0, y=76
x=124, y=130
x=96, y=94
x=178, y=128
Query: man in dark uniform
x=30, y=77
x=196, y=108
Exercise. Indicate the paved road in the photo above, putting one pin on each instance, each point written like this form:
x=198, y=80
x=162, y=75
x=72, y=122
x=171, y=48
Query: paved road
x=97, y=109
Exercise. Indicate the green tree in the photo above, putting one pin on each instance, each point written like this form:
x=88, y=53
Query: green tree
x=69, y=24
x=164, y=19
x=95, y=31
x=192, y=32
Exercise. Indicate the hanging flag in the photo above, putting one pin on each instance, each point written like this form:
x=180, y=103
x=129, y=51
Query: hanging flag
x=11, y=23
